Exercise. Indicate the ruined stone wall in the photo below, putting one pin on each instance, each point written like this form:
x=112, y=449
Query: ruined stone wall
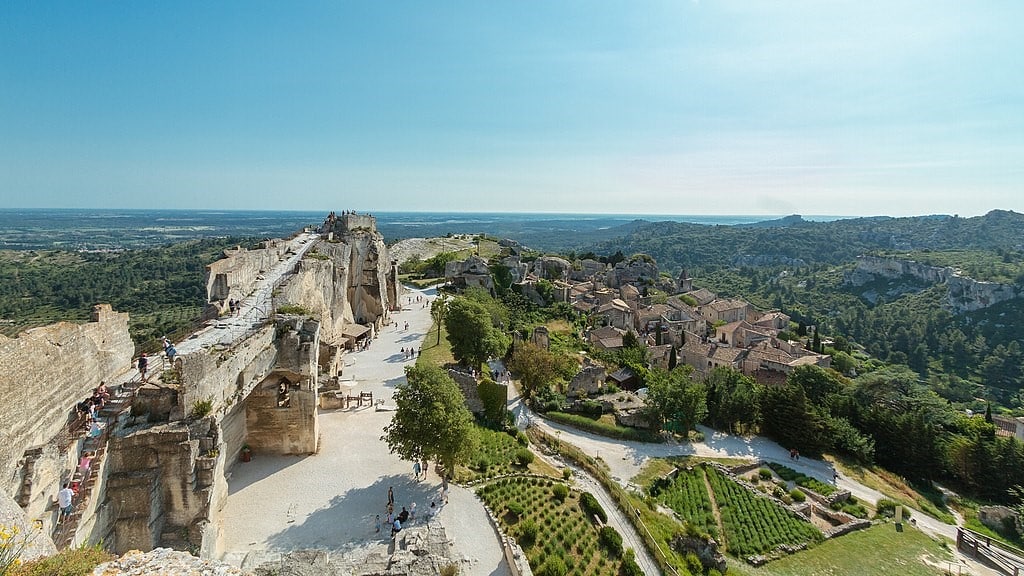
x=226, y=376
x=234, y=276
x=45, y=371
x=470, y=393
x=287, y=423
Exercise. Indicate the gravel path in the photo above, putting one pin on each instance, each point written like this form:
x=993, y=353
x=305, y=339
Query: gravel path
x=331, y=500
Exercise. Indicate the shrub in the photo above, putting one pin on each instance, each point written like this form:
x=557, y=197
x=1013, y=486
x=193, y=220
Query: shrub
x=201, y=408
x=604, y=428
x=629, y=565
x=764, y=474
x=553, y=566
x=524, y=457
x=516, y=508
x=72, y=562
x=521, y=438
x=528, y=533
x=611, y=540
x=592, y=507
x=566, y=473
x=887, y=508
x=293, y=309
x=560, y=491
x=797, y=495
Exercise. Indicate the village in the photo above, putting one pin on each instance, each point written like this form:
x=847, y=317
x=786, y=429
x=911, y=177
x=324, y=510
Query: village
x=679, y=325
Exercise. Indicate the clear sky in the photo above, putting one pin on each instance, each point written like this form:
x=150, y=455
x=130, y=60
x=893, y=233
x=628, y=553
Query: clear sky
x=676, y=107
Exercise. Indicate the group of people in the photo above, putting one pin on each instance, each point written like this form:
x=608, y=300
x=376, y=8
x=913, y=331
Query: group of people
x=396, y=521
x=90, y=407
x=409, y=353
x=235, y=306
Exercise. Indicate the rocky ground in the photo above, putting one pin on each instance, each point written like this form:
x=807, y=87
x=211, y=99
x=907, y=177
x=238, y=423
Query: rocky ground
x=425, y=248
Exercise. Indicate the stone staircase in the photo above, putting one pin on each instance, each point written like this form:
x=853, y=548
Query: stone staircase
x=113, y=415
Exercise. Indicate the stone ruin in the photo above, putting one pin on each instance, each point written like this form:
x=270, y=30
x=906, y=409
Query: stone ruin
x=156, y=476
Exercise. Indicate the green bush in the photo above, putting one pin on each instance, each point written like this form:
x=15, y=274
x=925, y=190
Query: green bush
x=72, y=562
x=566, y=473
x=887, y=508
x=524, y=457
x=293, y=309
x=521, y=438
x=560, y=491
x=629, y=565
x=516, y=508
x=797, y=495
x=553, y=566
x=592, y=507
x=764, y=474
x=201, y=408
x=528, y=533
x=610, y=539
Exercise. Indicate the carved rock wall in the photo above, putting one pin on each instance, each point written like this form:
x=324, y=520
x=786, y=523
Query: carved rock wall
x=45, y=371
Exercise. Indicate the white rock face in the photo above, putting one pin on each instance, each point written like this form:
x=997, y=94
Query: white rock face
x=963, y=294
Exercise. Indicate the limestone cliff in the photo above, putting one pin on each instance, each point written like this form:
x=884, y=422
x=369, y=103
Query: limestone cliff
x=963, y=294
x=346, y=278
x=44, y=372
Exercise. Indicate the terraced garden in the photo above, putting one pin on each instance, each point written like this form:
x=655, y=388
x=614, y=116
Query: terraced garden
x=548, y=521
x=751, y=524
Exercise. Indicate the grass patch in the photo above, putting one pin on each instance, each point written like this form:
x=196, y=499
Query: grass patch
x=790, y=475
x=73, y=562
x=432, y=352
x=553, y=531
x=496, y=454
x=896, y=488
x=876, y=551
x=603, y=428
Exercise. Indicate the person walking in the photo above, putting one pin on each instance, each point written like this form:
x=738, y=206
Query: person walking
x=416, y=468
x=143, y=365
x=64, y=500
x=391, y=496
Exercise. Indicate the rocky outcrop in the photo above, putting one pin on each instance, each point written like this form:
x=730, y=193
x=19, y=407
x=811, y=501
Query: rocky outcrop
x=638, y=270
x=551, y=268
x=963, y=294
x=705, y=549
x=166, y=562
x=347, y=278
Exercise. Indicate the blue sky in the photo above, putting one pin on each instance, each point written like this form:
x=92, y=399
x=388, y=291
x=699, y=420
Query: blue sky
x=677, y=107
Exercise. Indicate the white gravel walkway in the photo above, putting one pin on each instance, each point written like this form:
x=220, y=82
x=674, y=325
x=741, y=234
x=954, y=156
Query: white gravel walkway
x=331, y=500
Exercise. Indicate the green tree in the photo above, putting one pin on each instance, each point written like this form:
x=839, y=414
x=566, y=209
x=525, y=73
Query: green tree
x=438, y=308
x=537, y=368
x=431, y=419
x=732, y=399
x=675, y=399
x=473, y=336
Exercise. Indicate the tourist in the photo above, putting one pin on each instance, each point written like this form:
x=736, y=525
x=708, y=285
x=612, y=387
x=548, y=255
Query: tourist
x=412, y=511
x=416, y=468
x=143, y=365
x=396, y=528
x=171, y=353
x=426, y=467
x=64, y=500
x=391, y=495
x=102, y=391
x=403, y=516
x=376, y=523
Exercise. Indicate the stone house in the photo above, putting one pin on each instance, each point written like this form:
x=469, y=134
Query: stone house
x=616, y=313
x=773, y=320
x=588, y=381
x=729, y=310
x=703, y=296
x=660, y=356
x=606, y=337
x=739, y=334
x=1009, y=426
